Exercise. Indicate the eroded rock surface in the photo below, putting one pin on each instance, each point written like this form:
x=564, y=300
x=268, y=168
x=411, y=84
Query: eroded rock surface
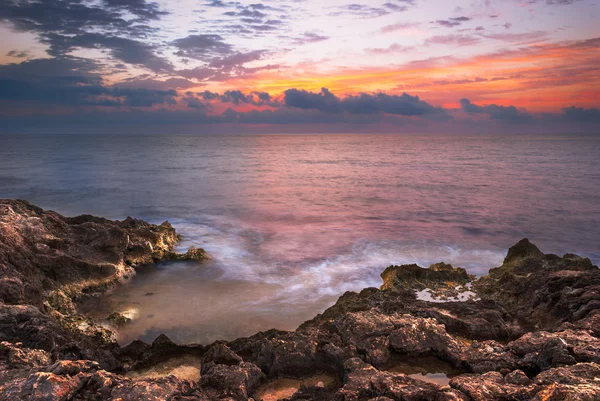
x=531, y=333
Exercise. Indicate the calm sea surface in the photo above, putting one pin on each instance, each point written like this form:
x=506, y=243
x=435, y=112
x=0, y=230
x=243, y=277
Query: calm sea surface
x=293, y=221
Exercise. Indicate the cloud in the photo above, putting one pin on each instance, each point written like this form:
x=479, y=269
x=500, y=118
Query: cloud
x=68, y=24
x=401, y=26
x=456, y=40
x=17, y=54
x=581, y=115
x=146, y=11
x=452, y=22
x=495, y=112
x=127, y=50
x=71, y=81
x=521, y=38
x=201, y=47
x=234, y=60
x=309, y=37
x=362, y=104
x=393, y=48
x=367, y=12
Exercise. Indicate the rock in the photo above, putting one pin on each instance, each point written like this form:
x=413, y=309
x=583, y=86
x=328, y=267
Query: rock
x=574, y=383
x=193, y=253
x=219, y=354
x=492, y=386
x=517, y=377
x=18, y=356
x=237, y=382
x=437, y=277
x=543, y=291
x=543, y=350
x=521, y=250
x=488, y=356
x=42, y=252
x=533, y=335
x=362, y=382
x=118, y=319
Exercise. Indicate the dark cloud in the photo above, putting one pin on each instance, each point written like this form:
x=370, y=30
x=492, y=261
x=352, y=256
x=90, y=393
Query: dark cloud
x=238, y=97
x=495, y=112
x=155, y=84
x=235, y=60
x=144, y=10
x=364, y=11
x=451, y=22
x=581, y=115
x=17, y=54
x=325, y=101
x=71, y=81
x=202, y=47
x=127, y=50
x=68, y=24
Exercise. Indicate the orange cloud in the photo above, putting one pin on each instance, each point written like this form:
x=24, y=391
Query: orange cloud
x=540, y=77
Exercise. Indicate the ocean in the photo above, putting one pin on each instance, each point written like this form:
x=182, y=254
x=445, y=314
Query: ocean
x=294, y=221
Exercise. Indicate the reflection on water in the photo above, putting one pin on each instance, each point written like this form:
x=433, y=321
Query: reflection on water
x=441, y=379
x=294, y=221
x=426, y=368
x=184, y=367
x=285, y=388
x=193, y=302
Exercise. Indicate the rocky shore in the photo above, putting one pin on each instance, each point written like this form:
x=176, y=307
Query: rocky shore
x=526, y=331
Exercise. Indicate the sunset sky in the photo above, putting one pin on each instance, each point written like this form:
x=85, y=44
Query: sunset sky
x=301, y=65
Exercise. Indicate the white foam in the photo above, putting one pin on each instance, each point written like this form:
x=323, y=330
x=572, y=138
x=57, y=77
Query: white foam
x=246, y=254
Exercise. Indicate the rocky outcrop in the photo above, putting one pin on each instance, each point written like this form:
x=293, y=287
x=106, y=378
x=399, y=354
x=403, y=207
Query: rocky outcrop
x=532, y=332
x=46, y=257
x=441, y=279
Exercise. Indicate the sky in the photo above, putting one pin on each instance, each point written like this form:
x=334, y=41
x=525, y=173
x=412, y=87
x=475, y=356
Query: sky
x=300, y=65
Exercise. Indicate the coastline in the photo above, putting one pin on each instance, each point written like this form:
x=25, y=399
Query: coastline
x=530, y=332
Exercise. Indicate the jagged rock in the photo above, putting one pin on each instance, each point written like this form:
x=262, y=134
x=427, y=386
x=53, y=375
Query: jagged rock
x=488, y=356
x=193, y=253
x=118, y=319
x=521, y=250
x=574, y=383
x=219, y=354
x=492, y=386
x=437, y=277
x=18, y=356
x=237, y=382
x=71, y=254
x=546, y=306
x=363, y=382
x=542, y=350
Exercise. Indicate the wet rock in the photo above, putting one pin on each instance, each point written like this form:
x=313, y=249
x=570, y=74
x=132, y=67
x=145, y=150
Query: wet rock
x=521, y=250
x=574, y=383
x=532, y=335
x=517, y=377
x=42, y=252
x=439, y=277
x=118, y=319
x=492, y=386
x=193, y=253
x=363, y=381
x=18, y=356
x=219, y=354
x=486, y=356
x=237, y=382
x=543, y=350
